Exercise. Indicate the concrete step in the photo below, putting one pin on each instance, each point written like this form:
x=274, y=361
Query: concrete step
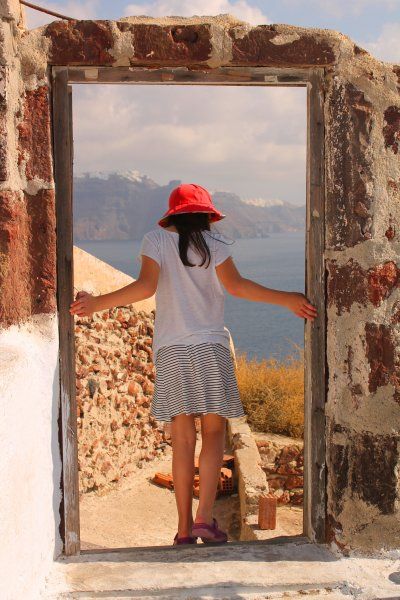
x=237, y=571
x=223, y=593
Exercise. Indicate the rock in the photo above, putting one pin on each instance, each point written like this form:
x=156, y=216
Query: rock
x=294, y=481
x=296, y=496
x=134, y=388
x=289, y=453
x=282, y=496
x=276, y=482
x=148, y=387
x=283, y=464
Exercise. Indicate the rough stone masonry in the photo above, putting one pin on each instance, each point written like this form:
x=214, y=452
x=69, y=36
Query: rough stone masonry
x=362, y=149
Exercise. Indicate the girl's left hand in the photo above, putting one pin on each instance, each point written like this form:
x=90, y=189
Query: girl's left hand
x=84, y=305
x=301, y=306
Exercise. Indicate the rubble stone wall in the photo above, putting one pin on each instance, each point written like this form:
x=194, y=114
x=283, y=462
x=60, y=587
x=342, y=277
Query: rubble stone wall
x=362, y=138
x=114, y=388
x=283, y=464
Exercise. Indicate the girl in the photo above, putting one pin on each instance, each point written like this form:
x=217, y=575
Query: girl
x=188, y=265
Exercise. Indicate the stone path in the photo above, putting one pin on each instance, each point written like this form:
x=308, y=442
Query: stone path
x=139, y=513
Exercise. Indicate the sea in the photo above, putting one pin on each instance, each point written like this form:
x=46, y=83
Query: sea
x=258, y=329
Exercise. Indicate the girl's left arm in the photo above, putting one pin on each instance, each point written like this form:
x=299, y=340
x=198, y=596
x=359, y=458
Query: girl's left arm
x=144, y=287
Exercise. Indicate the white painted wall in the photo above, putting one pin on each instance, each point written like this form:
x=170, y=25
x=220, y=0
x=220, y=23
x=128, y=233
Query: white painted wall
x=30, y=463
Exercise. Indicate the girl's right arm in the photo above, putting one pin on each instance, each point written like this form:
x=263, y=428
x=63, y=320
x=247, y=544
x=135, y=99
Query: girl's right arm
x=144, y=287
x=245, y=288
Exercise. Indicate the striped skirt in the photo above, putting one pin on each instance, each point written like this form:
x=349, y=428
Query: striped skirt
x=195, y=379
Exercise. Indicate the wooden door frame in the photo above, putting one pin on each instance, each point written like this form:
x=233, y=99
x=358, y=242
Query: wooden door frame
x=315, y=373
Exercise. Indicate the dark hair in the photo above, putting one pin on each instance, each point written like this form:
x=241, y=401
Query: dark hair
x=190, y=227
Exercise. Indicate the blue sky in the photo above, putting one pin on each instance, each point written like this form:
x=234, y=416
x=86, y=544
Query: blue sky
x=246, y=140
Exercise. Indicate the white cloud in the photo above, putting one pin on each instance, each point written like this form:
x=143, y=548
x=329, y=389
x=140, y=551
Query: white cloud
x=188, y=8
x=76, y=9
x=247, y=140
x=342, y=8
x=386, y=46
x=360, y=6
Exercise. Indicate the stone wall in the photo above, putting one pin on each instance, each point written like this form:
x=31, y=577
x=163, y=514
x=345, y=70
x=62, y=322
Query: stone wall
x=115, y=382
x=362, y=132
x=30, y=463
x=282, y=460
x=362, y=261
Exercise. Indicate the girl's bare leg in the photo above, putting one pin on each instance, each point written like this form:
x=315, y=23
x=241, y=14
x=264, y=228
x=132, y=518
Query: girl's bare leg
x=183, y=439
x=211, y=456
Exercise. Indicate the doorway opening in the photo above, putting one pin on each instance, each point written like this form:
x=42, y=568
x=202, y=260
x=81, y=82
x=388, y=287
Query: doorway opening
x=313, y=526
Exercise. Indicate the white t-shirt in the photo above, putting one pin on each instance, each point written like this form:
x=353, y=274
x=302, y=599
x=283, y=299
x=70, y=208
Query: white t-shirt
x=189, y=300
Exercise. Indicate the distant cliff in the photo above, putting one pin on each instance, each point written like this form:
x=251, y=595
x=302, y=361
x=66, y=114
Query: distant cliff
x=124, y=205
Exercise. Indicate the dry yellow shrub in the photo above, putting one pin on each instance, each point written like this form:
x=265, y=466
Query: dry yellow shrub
x=272, y=392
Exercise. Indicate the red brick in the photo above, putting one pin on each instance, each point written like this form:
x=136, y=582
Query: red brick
x=80, y=42
x=28, y=255
x=350, y=283
x=14, y=263
x=34, y=144
x=257, y=47
x=347, y=284
x=395, y=318
x=169, y=44
x=381, y=281
x=348, y=199
x=391, y=129
x=42, y=250
x=396, y=70
x=390, y=232
x=378, y=485
x=381, y=356
x=4, y=173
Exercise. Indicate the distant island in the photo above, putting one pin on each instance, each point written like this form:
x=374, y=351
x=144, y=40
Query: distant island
x=123, y=205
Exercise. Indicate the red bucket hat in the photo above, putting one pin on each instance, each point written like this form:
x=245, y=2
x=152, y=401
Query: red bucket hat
x=189, y=197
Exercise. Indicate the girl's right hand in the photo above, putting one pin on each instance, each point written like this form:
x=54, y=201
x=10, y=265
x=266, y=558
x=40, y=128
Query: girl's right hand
x=84, y=305
x=300, y=306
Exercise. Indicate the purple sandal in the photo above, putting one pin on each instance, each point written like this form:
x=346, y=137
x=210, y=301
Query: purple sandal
x=209, y=533
x=188, y=539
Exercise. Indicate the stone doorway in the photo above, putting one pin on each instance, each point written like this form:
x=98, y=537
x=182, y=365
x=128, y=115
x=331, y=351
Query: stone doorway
x=315, y=372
